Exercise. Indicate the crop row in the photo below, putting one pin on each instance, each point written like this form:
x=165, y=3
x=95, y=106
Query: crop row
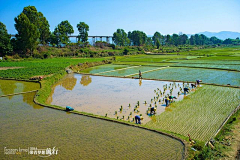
x=200, y=114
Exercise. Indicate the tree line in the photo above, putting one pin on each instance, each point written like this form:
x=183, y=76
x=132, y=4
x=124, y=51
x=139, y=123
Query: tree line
x=139, y=38
x=33, y=29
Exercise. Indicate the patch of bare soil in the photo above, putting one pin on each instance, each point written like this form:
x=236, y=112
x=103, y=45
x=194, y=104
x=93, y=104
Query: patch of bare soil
x=5, y=68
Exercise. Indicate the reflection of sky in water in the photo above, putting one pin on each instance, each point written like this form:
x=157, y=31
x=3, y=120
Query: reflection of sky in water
x=101, y=95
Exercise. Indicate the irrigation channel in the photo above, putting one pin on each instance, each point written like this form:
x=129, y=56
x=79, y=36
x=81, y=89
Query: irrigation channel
x=26, y=126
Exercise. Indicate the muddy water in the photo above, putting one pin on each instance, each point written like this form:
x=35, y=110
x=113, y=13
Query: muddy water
x=75, y=136
x=10, y=87
x=105, y=95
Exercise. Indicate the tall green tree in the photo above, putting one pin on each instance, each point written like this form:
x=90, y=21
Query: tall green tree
x=156, y=37
x=27, y=35
x=138, y=38
x=38, y=19
x=168, y=39
x=5, y=45
x=175, y=39
x=158, y=43
x=83, y=29
x=120, y=38
x=62, y=31
x=32, y=27
x=43, y=27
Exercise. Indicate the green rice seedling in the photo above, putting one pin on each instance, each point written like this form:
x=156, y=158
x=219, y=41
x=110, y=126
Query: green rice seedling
x=128, y=117
x=134, y=109
x=151, y=100
x=155, y=105
x=116, y=112
x=202, y=104
x=138, y=103
x=159, y=100
x=106, y=115
x=145, y=102
x=150, y=105
x=130, y=113
x=155, y=102
x=117, y=117
x=123, y=117
x=129, y=105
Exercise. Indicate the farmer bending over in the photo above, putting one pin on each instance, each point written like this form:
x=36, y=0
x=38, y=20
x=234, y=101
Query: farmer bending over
x=193, y=85
x=140, y=74
x=167, y=101
x=171, y=98
x=153, y=110
x=138, y=119
x=198, y=81
x=186, y=90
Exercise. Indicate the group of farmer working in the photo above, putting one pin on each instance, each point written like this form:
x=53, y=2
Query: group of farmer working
x=167, y=100
x=185, y=89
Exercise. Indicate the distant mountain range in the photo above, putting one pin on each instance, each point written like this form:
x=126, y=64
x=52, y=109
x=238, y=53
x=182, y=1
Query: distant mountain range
x=221, y=35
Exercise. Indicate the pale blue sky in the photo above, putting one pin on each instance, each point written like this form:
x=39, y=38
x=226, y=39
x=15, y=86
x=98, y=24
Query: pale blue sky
x=105, y=16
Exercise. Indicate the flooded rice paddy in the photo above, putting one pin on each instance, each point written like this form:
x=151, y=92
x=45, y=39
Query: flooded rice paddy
x=11, y=87
x=105, y=95
x=24, y=124
x=221, y=77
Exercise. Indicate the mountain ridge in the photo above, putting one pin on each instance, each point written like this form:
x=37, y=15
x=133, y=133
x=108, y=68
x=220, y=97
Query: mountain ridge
x=221, y=35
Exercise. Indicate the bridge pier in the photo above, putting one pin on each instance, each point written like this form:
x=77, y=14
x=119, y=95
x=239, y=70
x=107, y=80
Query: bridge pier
x=93, y=41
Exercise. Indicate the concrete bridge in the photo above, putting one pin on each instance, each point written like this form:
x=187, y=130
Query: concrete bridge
x=108, y=39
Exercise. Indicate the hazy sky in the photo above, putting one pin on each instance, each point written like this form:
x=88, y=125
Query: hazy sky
x=105, y=16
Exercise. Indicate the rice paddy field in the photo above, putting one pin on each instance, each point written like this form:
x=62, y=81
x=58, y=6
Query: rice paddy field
x=106, y=95
x=200, y=114
x=221, y=77
x=74, y=136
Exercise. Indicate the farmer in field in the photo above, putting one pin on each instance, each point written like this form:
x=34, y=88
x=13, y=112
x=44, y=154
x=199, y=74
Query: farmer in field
x=198, y=81
x=167, y=101
x=171, y=98
x=153, y=110
x=186, y=90
x=140, y=74
x=138, y=119
x=193, y=85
